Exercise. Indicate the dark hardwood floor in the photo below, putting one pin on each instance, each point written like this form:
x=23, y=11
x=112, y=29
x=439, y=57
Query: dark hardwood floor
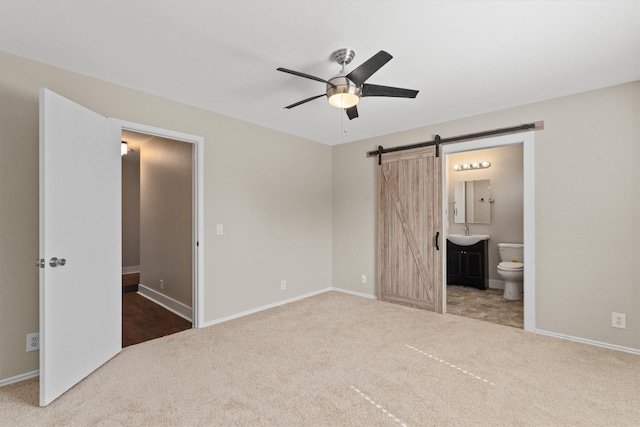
x=144, y=320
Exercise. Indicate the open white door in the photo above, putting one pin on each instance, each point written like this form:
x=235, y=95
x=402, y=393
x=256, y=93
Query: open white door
x=80, y=223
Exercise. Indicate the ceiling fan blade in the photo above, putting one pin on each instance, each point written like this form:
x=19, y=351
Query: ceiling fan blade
x=377, y=90
x=306, y=76
x=304, y=100
x=367, y=68
x=352, y=112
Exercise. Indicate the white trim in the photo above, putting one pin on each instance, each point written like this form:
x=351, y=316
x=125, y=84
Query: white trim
x=21, y=377
x=198, y=191
x=169, y=303
x=589, y=342
x=358, y=294
x=287, y=301
x=265, y=307
x=527, y=140
x=131, y=270
x=529, y=212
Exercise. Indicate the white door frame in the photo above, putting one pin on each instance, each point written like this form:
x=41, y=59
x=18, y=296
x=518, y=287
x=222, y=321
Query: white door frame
x=198, y=211
x=527, y=140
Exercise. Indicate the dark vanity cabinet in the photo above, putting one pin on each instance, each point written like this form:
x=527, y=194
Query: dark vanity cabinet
x=467, y=265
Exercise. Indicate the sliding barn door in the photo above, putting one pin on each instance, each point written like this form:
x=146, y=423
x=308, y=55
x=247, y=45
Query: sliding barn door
x=409, y=244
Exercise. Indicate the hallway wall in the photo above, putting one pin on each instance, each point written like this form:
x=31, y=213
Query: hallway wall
x=166, y=218
x=131, y=211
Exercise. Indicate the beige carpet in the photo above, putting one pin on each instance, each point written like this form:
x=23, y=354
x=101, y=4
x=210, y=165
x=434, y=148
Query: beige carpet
x=340, y=360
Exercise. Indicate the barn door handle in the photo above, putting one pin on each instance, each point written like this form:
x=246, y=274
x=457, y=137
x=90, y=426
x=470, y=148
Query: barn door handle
x=437, y=237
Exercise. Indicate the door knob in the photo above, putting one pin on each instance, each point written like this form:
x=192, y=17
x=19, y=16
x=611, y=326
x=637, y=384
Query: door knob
x=54, y=262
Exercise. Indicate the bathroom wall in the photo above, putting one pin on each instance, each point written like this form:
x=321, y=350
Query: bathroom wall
x=506, y=178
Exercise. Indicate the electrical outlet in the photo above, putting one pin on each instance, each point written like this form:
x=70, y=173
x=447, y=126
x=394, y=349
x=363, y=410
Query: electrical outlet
x=364, y=278
x=283, y=285
x=33, y=341
x=161, y=285
x=619, y=320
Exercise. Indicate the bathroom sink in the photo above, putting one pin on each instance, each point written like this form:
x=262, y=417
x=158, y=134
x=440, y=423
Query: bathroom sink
x=462, y=240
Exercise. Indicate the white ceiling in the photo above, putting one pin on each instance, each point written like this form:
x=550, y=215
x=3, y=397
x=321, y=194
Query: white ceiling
x=465, y=57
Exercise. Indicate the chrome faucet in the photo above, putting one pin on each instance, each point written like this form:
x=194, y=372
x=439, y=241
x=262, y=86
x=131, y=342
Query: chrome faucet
x=466, y=229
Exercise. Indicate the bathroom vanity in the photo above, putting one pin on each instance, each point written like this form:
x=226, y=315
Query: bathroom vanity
x=467, y=265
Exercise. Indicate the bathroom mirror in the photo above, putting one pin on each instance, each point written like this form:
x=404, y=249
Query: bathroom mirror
x=472, y=202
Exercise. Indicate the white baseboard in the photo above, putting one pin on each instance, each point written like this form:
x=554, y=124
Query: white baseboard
x=287, y=301
x=264, y=307
x=131, y=269
x=590, y=342
x=358, y=294
x=169, y=303
x=18, y=378
x=151, y=292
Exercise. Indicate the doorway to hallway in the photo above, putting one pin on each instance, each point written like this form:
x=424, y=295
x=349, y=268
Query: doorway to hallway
x=158, y=240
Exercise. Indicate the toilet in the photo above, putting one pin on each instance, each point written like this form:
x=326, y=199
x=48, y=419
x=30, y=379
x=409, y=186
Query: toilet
x=511, y=269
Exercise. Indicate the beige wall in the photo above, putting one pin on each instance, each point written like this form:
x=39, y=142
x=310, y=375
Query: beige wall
x=131, y=210
x=271, y=191
x=507, y=183
x=587, y=209
x=166, y=217
x=274, y=194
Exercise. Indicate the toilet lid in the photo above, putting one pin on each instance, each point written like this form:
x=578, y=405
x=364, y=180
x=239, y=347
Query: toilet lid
x=508, y=265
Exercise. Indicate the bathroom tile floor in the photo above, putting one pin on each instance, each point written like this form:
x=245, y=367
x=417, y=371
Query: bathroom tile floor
x=487, y=305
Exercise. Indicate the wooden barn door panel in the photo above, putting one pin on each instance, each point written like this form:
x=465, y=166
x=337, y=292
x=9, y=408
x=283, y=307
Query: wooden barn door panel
x=409, y=199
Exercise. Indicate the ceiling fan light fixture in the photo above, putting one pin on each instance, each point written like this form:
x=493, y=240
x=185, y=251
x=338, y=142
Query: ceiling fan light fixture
x=342, y=93
x=343, y=100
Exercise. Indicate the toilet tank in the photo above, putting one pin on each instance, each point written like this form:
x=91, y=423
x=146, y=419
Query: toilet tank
x=511, y=252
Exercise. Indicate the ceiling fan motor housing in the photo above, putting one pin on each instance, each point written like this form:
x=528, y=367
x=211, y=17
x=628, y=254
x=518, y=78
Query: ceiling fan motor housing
x=342, y=92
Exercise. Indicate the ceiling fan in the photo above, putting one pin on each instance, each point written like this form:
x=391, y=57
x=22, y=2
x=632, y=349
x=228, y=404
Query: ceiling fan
x=344, y=90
